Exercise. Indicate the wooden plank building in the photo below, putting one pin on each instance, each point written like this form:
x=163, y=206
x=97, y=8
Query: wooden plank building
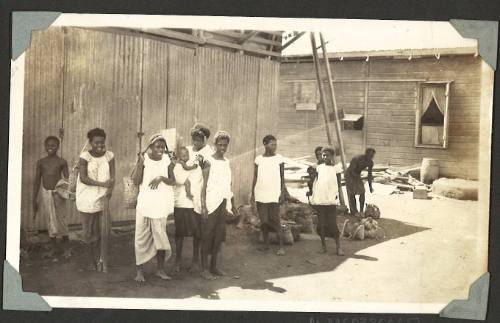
x=135, y=82
x=407, y=104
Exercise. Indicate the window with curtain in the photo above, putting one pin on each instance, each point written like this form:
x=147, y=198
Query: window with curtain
x=432, y=115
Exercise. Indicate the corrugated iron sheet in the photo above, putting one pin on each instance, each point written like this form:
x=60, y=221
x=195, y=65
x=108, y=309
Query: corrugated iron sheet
x=42, y=109
x=182, y=74
x=129, y=85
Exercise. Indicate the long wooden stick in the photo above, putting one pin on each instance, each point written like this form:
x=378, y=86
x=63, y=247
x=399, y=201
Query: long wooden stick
x=320, y=88
x=105, y=224
x=338, y=127
x=323, y=106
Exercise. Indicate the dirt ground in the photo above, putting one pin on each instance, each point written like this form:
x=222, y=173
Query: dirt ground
x=428, y=256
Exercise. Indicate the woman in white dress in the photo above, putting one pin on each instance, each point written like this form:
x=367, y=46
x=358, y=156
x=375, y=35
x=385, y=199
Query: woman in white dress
x=199, y=151
x=154, y=203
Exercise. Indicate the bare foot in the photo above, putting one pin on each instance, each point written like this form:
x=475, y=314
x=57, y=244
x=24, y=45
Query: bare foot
x=340, y=252
x=139, y=277
x=177, y=268
x=323, y=250
x=67, y=253
x=217, y=272
x=48, y=254
x=163, y=275
x=91, y=267
x=207, y=275
x=263, y=248
x=194, y=268
x=280, y=252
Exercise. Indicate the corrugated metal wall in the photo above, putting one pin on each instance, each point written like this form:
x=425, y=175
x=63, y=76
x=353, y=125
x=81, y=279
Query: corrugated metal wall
x=43, y=88
x=129, y=85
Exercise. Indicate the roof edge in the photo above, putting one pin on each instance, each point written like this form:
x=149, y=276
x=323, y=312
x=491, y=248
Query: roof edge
x=394, y=53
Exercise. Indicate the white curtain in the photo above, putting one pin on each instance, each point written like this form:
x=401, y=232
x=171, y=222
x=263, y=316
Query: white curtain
x=436, y=92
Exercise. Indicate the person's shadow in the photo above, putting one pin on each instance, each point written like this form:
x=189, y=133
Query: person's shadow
x=245, y=266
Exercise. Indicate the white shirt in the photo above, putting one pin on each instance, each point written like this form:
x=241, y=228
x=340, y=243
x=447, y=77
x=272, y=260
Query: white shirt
x=268, y=185
x=155, y=203
x=325, y=186
x=218, y=184
x=181, y=175
x=196, y=178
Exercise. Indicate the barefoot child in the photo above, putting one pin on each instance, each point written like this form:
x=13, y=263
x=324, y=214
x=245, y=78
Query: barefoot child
x=46, y=201
x=269, y=190
x=184, y=216
x=216, y=194
x=155, y=202
x=95, y=183
x=324, y=198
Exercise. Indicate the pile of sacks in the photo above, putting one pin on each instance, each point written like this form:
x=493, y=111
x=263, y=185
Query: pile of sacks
x=296, y=217
x=366, y=227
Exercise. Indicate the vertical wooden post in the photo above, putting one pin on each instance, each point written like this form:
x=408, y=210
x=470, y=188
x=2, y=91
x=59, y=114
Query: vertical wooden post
x=338, y=127
x=365, y=112
x=323, y=107
x=446, y=118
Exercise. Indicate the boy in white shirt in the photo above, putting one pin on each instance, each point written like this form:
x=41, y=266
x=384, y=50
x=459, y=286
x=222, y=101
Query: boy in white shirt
x=269, y=190
x=325, y=197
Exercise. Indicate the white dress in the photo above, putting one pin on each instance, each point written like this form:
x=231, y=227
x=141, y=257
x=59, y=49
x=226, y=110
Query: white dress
x=89, y=197
x=181, y=199
x=196, y=178
x=219, y=183
x=325, y=186
x=268, y=185
x=155, y=203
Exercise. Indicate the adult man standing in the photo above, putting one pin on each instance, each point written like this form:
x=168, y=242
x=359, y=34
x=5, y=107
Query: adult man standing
x=354, y=183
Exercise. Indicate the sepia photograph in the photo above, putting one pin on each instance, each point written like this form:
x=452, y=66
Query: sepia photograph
x=242, y=163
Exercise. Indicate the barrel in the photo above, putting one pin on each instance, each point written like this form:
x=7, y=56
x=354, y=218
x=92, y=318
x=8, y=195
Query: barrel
x=429, y=170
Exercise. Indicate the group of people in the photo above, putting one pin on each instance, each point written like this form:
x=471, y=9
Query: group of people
x=195, y=185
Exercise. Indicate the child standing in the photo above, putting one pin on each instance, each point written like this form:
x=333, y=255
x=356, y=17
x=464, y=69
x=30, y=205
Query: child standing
x=46, y=201
x=216, y=192
x=318, y=152
x=95, y=183
x=154, y=203
x=184, y=216
x=269, y=190
x=325, y=197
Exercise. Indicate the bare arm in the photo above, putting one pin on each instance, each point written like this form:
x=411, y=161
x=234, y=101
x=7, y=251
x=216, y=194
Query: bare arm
x=36, y=186
x=170, y=180
x=255, y=173
x=171, y=176
x=187, y=186
x=312, y=176
x=370, y=177
x=284, y=192
x=139, y=172
x=339, y=184
x=84, y=177
x=206, y=173
x=112, y=174
x=65, y=171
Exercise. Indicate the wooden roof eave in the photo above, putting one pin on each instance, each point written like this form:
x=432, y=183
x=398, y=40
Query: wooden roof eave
x=385, y=54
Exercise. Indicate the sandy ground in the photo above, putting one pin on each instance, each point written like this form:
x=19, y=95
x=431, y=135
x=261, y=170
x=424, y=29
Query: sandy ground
x=428, y=256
